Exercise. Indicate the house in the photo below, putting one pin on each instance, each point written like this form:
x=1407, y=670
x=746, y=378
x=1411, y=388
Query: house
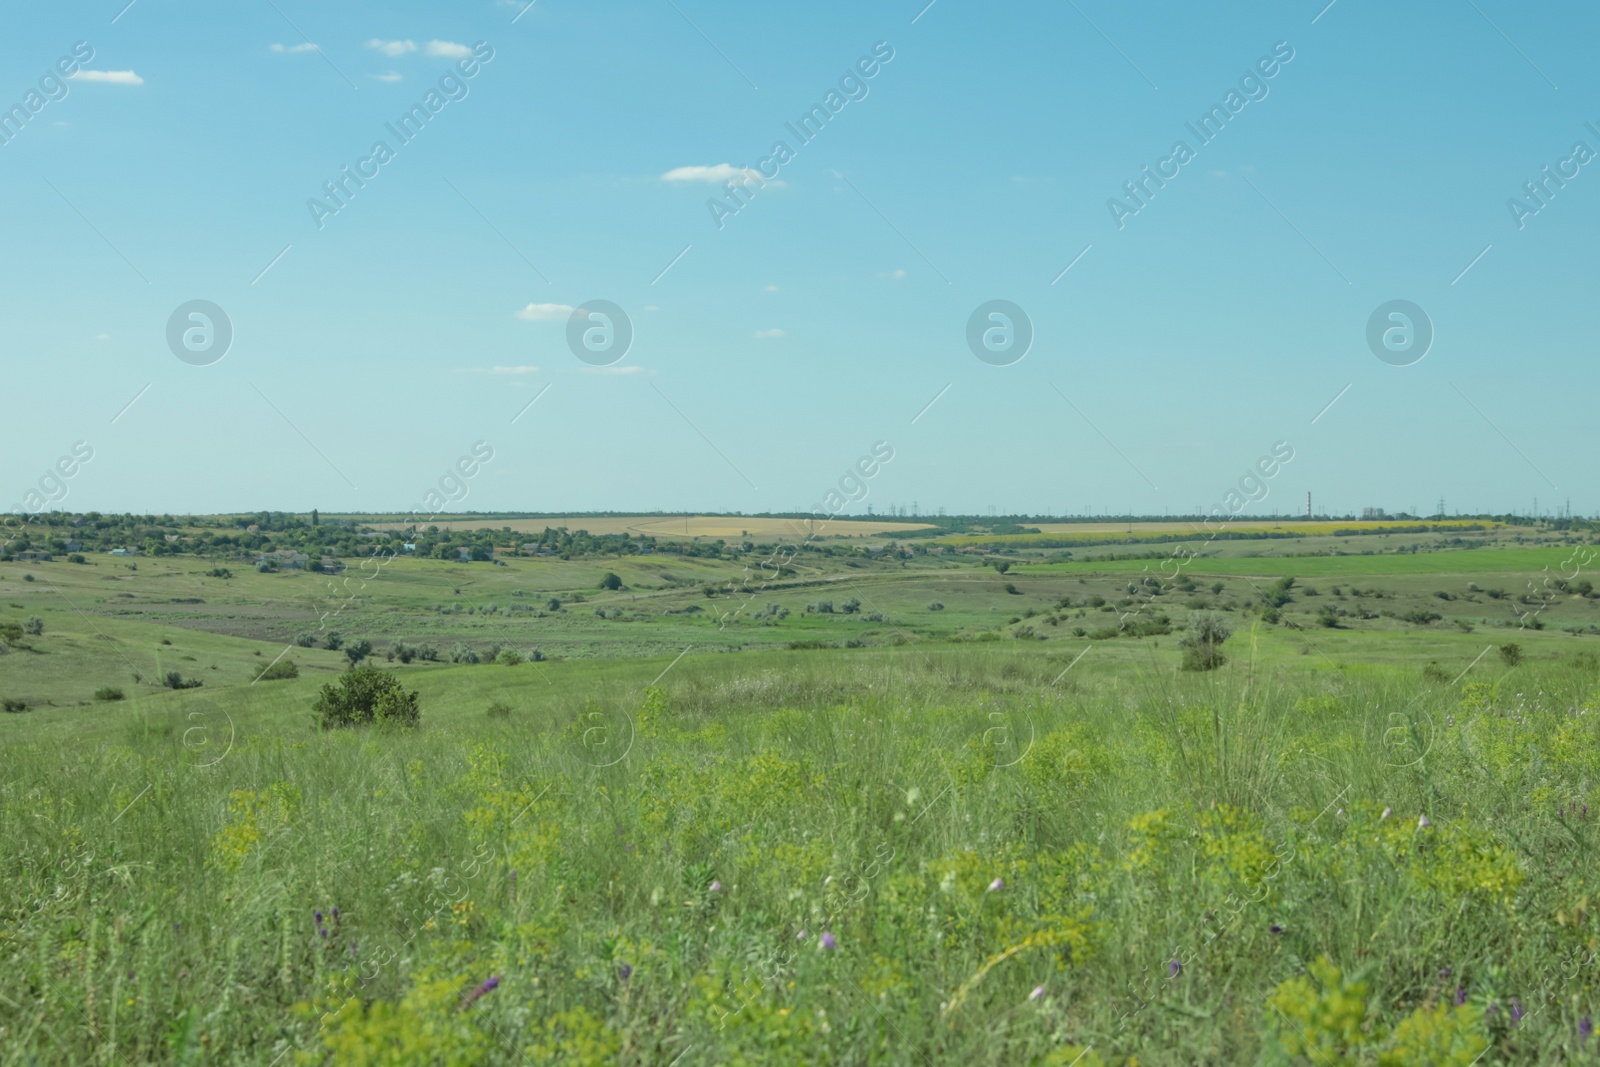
x=409, y=547
x=252, y=528
x=465, y=554
x=124, y=551
x=285, y=558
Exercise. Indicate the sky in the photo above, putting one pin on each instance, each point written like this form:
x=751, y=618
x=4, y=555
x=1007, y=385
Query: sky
x=1152, y=349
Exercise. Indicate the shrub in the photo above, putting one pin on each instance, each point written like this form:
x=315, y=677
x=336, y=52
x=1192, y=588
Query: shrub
x=1420, y=617
x=27, y=577
x=610, y=581
x=76, y=557
x=535, y=656
x=427, y=652
x=509, y=658
x=554, y=603
x=1202, y=645
x=1012, y=589
x=108, y=692
x=364, y=696
x=851, y=606
x=334, y=641
x=462, y=654
x=284, y=668
x=1002, y=565
x=33, y=626
x=1511, y=653
x=305, y=640
x=357, y=651
x=499, y=710
x=934, y=605
x=823, y=607
x=13, y=706
x=219, y=572
x=174, y=680
x=10, y=633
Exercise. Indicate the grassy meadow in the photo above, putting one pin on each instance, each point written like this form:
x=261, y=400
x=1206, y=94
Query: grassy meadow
x=1006, y=829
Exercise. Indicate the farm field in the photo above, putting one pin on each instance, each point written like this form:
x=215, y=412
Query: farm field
x=856, y=805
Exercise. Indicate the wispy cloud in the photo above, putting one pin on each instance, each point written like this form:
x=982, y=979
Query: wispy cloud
x=626, y=371
x=545, y=312
x=761, y=334
x=293, y=48
x=109, y=77
x=449, y=49
x=497, y=369
x=717, y=174
x=392, y=48
x=389, y=77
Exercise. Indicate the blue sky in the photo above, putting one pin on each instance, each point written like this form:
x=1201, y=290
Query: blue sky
x=824, y=316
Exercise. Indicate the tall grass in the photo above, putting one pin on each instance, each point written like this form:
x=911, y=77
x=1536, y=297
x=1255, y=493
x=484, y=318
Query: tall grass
x=637, y=867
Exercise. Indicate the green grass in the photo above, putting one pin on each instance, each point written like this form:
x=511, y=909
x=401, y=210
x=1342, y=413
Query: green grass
x=167, y=853
x=164, y=860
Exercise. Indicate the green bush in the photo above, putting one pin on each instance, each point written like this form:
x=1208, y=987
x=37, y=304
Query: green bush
x=174, y=680
x=499, y=710
x=14, y=706
x=33, y=626
x=1511, y=653
x=108, y=692
x=1202, y=645
x=364, y=696
x=284, y=668
x=610, y=581
x=305, y=640
x=509, y=658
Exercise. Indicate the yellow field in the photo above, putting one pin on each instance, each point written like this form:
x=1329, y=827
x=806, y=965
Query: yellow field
x=1153, y=531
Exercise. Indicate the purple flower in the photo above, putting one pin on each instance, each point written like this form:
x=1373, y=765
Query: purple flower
x=716, y=887
x=1423, y=822
x=1038, y=991
x=1444, y=973
x=490, y=985
x=625, y=971
x=1461, y=995
x=318, y=916
x=1174, y=969
x=1585, y=1028
x=827, y=940
x=1275, y=928
x=1385, y=814
x=996, y=885
x=1516, y=1011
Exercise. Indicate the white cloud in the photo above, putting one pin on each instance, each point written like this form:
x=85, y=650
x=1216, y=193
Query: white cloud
x=449, y=49
x=769, y=333
x=772, y=289
x=102, y=337
x=389, y=77
x=292, y=48
x=715, y=175
x=109, y=77
x=897, y=274
x=392, y=48
x=545, y=312
x=497, y=369
x=651, y=307
x=628, y=370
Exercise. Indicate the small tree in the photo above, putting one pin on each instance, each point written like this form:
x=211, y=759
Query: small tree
x=1002, y=565
x=934, y=605
x=1202, y=645
x=356, y=651
x=334, y=641
x=305, y=640
x=1511, y=653
x=610, y=581
x=33, y=626
x=365, y=696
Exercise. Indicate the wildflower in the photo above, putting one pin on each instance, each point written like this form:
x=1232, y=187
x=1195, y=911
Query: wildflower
x=1174, y=969
x=801, y=936
x=352, y=949
x=1585, y=1028
x=716, y=887
x=1516, y=1011
x=827, y=941
x=1490, y=1011
x=1445, y=973
x=1385, y=814
x=1461, y=995
x=1275, y=928
x=1038, y=991
x=335, y=914
x=625, y=971
x=996, y=885
x=490, y=985
x=1424, y=822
